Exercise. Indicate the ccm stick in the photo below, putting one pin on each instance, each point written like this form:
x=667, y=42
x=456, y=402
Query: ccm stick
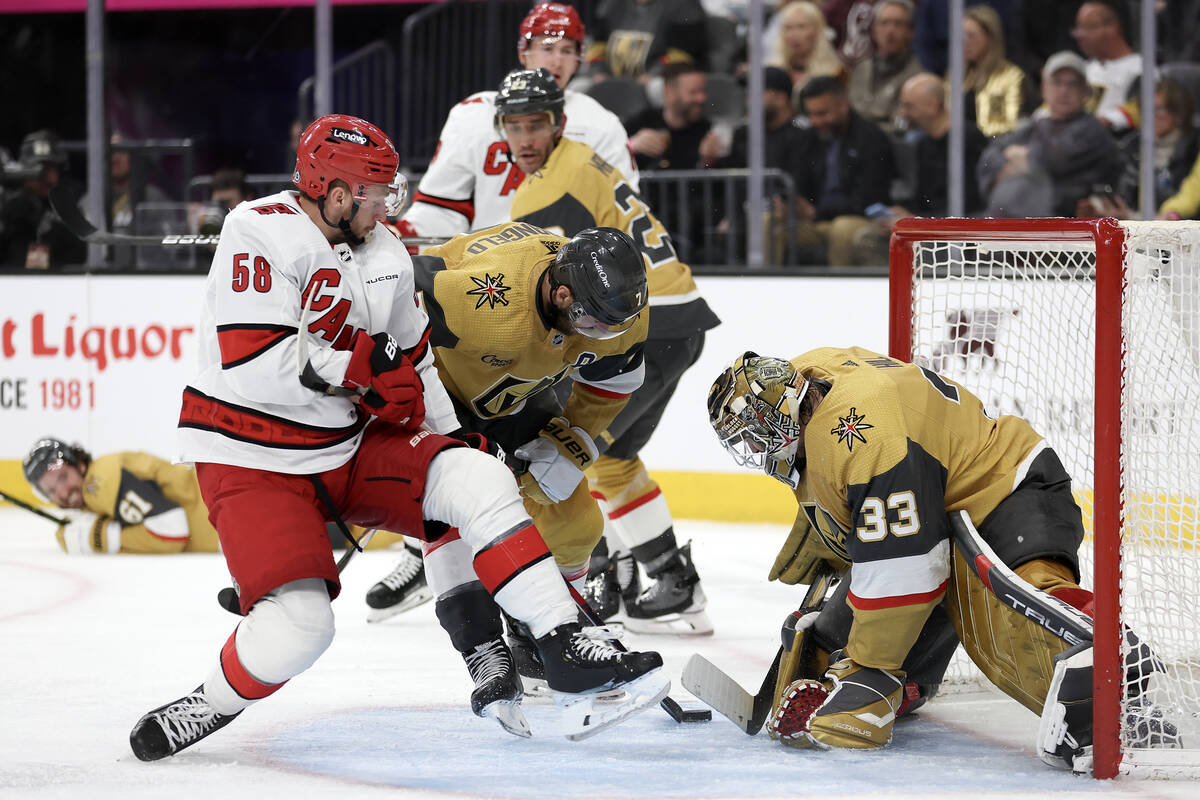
x=68, y=211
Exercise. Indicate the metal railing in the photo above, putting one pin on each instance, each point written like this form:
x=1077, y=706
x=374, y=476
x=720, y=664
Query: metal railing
x=364, y=85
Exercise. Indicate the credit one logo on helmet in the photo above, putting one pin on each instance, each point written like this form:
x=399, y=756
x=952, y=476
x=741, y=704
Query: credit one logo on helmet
x=349, y=136
x=600, y=271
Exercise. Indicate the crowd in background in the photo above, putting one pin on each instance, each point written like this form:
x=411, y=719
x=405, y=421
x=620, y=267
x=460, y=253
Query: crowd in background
x=856, y=113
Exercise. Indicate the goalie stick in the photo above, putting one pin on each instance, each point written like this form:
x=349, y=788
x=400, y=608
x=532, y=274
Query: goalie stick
x=227, y=598
x=726, y=696
x=72, y=217
x=46, y=515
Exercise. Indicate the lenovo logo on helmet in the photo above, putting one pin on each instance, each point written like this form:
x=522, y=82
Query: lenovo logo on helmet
x=600, y=271
x=348, y=136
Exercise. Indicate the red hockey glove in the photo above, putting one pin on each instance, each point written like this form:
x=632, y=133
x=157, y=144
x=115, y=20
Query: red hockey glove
x=394, y=389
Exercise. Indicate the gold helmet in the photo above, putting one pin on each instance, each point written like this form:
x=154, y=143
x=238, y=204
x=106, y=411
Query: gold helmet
x=755, y=410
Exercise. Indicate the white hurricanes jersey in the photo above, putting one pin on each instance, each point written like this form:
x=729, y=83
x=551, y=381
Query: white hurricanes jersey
x=470, y=182
x=247, y=406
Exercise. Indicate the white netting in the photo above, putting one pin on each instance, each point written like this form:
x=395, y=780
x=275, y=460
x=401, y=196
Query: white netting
x=1015, y=322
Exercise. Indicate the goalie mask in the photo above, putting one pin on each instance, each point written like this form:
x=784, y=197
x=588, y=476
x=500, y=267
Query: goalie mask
x=754, y=408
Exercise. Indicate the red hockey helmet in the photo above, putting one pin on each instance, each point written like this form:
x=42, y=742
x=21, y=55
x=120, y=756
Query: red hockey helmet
x=338, y=146
x=551, y=19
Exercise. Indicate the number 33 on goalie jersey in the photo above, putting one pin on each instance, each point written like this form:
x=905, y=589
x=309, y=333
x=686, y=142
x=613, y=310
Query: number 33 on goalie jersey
x=889, y=451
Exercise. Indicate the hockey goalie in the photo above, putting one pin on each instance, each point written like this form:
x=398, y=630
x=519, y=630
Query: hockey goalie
x=889, y=463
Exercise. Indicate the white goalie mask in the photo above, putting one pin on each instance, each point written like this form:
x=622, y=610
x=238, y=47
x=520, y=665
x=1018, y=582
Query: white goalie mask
x=754, y=408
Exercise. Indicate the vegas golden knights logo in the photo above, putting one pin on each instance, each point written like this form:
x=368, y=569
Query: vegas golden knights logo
x=828, y=528
x=627, y=51
x=509, y=394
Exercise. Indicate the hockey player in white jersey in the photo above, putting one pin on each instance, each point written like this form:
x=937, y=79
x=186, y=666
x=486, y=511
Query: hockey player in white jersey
x=471, y=180
x=317, y=400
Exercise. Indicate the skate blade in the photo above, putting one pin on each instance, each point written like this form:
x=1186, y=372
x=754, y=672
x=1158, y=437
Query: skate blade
x=688, y=623
x=417, y=598
x=586, y=715
x=509, y=715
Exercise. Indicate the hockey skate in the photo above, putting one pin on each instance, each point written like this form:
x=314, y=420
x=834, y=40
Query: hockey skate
x=170, y=728
x=674, y=604
x=526, y=657
x=401, y=589
x=585, y=672
x=497, y=692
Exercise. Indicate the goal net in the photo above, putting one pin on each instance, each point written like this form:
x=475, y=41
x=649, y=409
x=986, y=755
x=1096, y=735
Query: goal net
x=1089, y=329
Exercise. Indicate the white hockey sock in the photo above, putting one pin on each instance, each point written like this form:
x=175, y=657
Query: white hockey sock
x=283, y=635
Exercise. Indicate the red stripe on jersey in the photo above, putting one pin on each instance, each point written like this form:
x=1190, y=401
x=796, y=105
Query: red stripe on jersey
x=242, y=681
x=632, y=504
x=596, y=390
x=464, y=207
x=241, y=343
x=166, y=537
x=247, y=425
x=418, y=350
x=876, y=603
x=509, y=557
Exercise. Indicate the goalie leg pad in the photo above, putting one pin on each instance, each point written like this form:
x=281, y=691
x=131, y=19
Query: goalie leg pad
x=1065, y=731
x=861, y=708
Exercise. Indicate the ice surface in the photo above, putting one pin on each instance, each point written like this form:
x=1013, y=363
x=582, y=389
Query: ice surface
x=89, y=644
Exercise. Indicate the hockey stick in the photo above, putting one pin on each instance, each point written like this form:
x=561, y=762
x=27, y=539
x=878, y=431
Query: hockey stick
x=668, y=704
x=16, y=501
x=1061, y=619
x=727, y=697
x=227, y=598
x=68, y=211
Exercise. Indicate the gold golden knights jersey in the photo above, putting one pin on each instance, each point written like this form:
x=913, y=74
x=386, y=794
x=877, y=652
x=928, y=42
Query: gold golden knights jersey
x=578, y=189
x=157, y=504
x=492, y=347
x=889, y=451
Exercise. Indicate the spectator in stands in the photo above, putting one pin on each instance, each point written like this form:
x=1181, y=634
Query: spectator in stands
x=227, y=190
x=875, y=82
x=678, y=135
x=640, y=38
x=31, y=234
x=932, y=31
x=1047, y=165
x=802, y=47
x=850, y=21
x=996, y=91
x=1176, y=164
x=783, y=143
x=1101, y=29
x=846, y=166
x=923, y=109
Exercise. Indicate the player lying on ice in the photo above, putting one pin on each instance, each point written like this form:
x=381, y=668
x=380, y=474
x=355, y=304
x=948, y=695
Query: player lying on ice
x=125, y=502
x=879, y=454
x=317, y=399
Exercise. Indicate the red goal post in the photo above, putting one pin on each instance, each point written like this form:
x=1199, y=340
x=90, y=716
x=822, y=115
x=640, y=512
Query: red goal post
x=1088, y=328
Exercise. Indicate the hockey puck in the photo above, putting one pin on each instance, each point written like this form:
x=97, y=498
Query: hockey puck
x=227, y=599
x=681, y=714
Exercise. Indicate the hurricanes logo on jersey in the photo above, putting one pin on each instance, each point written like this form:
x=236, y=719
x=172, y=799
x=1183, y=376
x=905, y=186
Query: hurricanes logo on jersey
x=489, y=290
x=850, y=428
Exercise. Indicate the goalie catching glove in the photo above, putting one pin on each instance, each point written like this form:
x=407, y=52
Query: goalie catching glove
x=556, y=461
x=854, y=707
x=87, y=533
x=801, y=554
x=395, y=392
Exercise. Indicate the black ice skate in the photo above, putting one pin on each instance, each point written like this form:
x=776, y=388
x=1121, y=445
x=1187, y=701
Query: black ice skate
x=585, y=672
x=170, y=728
x=674, y=603
x=401, y=589
x=497, y=692
x=526, y=657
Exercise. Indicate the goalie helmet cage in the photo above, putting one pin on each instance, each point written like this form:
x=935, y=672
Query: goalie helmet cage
x=1090, y=329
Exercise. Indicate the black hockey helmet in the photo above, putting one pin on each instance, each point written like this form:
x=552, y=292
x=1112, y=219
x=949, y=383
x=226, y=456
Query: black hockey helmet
x=51, y=452
x=607, y=275
x=527, y=91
